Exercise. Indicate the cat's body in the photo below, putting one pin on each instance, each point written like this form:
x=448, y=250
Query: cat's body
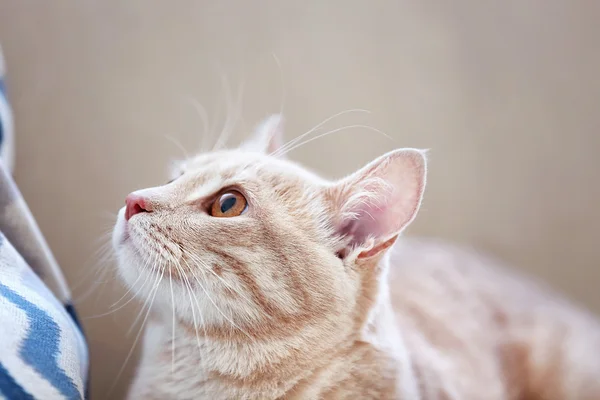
x=469, y=329
x=271, y=283
x=482, y=331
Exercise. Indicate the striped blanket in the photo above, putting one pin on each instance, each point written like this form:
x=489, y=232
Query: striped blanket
x=43, y=354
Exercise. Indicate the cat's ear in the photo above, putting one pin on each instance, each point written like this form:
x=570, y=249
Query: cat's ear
x=268, y=136
x=373, y=205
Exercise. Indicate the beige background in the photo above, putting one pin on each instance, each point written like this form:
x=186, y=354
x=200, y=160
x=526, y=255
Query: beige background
x=505, y=94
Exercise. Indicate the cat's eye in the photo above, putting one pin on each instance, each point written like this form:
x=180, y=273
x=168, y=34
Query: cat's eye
x=229, y=204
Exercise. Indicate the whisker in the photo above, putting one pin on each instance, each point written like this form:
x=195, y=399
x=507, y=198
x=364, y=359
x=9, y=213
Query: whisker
x=120, y=306
x=114, y=310
x=173, y=321
x=190, y=294
x=103, y=268
x=230, y=122
x=154, y=267
x=148, y=261
x=295, y=140
x=102, y=254
x=102, y=286
x=206, y=133
x=193, y=293
x=334, y=131
x=217, y=307
x=214, y=123
x=156, y=283
x=137, y=336
x=178, y=144
x=101, y=278
x=282, y=82
x=225, y=283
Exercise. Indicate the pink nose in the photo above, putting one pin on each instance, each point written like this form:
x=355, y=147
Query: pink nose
x=135, y=204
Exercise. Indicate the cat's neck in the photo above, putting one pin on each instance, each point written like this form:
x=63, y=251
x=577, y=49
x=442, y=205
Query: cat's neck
x=204, y=367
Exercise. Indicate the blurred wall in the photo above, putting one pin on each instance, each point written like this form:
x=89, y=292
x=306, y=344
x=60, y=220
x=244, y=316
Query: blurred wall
x=504, y=93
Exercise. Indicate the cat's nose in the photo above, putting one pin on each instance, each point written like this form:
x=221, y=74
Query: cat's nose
x=135, y=204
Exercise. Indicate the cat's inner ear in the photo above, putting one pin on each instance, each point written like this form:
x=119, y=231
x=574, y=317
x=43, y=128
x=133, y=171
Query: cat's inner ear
x=268, y=136
x=373, y=205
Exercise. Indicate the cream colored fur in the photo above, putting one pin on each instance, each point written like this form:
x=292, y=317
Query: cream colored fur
x=307, y=296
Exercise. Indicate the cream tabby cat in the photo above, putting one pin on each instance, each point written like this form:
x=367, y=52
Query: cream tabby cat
x=266, y=281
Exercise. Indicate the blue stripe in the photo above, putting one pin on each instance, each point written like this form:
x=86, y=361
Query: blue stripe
x=11, y=389
x=40, y=349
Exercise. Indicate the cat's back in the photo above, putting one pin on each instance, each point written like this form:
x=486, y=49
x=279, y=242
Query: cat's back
x=477, y=330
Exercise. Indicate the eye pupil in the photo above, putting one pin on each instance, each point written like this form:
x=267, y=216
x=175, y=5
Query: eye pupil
x=227, y=203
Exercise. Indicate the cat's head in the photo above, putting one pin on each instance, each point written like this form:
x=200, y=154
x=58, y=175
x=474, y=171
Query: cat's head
x=244, y=243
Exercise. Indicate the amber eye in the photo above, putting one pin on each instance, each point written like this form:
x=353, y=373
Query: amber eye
x=229, y=204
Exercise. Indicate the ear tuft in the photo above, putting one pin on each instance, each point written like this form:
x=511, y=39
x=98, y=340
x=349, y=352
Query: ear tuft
x=268, y=136
x=376, y=203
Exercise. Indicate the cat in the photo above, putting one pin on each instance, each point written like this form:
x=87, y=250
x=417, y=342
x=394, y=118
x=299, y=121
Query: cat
x=266, y=281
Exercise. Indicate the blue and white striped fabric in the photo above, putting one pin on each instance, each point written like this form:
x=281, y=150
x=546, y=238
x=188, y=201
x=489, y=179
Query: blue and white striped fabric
x=43, y=354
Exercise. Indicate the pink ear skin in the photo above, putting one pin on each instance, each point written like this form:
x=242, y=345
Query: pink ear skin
x=268, y=137
x=378, y=249
x=377, y=202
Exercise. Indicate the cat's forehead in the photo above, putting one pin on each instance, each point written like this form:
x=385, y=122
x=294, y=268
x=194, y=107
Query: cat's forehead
x=247, y=166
